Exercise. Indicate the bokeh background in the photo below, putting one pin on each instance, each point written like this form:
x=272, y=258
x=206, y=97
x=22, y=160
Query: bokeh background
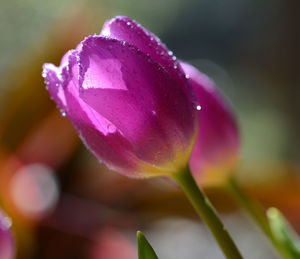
x=64, y=204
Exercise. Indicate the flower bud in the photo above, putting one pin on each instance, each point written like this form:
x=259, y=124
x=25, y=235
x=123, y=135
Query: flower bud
x=216, y=151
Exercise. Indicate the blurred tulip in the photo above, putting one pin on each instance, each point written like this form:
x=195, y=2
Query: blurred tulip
x=216, y=151
x=7, y=246
x=129, y=99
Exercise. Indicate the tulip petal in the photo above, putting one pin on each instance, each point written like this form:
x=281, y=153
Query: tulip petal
x=126, y=29
x=52, y=75
x=218, y=137
x=138, y=96
x=102, y=137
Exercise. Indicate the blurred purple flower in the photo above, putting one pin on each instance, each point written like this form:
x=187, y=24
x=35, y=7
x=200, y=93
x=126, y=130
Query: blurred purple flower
x=7, y=246
x=216, y=151
x=129, y=99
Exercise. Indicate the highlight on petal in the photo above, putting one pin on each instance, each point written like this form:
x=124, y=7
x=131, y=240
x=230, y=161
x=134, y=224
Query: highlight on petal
x=7, y=246
x=100, y=135
x=216, y=150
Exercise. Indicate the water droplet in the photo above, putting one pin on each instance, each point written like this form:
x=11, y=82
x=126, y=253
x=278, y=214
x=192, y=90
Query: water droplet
x=44, y=74
x=151, y=38
x=111, y=128
x=170, y=53
x=198, y=107
x=174, y=58
x=57, y=84
x=187, y=76
x=62, y=112
x=128, y=23
x=175, y=66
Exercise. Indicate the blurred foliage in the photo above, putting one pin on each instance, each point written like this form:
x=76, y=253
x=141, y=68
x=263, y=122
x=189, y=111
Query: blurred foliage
x=287, y=240
x=145, y=250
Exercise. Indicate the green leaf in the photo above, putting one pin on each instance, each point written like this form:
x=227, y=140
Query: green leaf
x=145, y=250
x=284, y=235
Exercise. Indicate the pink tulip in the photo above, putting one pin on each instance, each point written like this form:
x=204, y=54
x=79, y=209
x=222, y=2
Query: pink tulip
x=129, y=99
x=7, y=247
x=216, y=150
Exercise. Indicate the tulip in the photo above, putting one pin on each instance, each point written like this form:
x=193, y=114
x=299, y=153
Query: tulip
x=132, y=104
x=6, y=240
x=127, y=96
x=216, y=151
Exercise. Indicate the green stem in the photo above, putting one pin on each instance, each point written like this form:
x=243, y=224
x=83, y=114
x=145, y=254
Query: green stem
x=206, y=211
x=253, y=208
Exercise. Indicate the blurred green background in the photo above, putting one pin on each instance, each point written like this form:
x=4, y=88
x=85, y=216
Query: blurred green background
x=250, y=48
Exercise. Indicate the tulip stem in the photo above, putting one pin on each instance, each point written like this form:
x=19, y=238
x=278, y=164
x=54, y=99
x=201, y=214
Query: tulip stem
x=207, y=212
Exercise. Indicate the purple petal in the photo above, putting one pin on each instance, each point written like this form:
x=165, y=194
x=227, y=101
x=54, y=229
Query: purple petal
x=138, y=96
x=7, y=246
x=128, y=30
x=52, y=75
x=218, y=138
x=102, y=137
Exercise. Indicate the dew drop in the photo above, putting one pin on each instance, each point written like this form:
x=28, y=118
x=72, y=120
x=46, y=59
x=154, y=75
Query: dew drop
x=187, y=76
x=174, y=58
x=175, y=66
x=128, y=23
x=111, y=128
x=62, y=112
x=198, y=107
x=170, y=53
